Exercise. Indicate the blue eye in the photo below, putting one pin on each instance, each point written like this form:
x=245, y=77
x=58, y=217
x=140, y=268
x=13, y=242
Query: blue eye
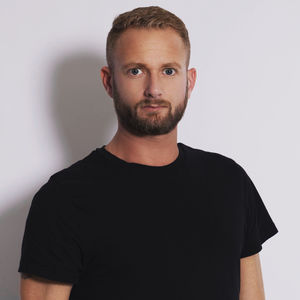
x=169, y=71
x=135, y=71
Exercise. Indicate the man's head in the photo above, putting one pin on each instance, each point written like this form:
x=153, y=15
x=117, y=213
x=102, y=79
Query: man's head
x=148, y=52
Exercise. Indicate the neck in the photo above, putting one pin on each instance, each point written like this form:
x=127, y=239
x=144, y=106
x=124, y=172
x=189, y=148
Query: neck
x=157, y=150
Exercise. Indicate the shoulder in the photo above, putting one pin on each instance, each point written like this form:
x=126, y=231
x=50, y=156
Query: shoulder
x=82, y=169
x=65, y=183
x=211, y=162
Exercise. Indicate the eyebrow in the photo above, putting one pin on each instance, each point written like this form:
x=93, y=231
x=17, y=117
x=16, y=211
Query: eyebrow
x=141, y=65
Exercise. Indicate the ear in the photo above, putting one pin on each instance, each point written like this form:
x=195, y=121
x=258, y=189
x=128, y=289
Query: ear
x=106, y=77
x=191, y=80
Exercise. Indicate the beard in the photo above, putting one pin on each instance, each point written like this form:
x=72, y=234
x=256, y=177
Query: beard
x=155, y=122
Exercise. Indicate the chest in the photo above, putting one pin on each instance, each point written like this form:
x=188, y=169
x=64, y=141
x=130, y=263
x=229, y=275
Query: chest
x=163, y=220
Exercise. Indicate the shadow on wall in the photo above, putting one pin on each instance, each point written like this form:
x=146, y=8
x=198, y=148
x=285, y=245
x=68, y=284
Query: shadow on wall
x=82, y=110
x=83, y=115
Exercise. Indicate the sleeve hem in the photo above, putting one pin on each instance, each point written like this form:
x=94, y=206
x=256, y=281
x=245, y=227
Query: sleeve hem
x=258, y=248
x=251, y=251
x=45, y=273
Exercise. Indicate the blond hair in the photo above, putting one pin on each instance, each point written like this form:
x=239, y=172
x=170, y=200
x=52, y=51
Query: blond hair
x=145, y=17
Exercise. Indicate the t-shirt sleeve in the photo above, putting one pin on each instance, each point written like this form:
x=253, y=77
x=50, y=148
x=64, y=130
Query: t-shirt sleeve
x=51, y=244
x=259, y=225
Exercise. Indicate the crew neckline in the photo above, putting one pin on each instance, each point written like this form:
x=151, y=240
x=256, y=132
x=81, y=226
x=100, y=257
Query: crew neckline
x=132, y=165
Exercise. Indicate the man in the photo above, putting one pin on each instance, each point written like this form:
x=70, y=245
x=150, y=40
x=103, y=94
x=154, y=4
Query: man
x=145, y=217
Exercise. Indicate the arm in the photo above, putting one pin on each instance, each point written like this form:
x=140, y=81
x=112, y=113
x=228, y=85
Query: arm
x=37, y=288
x=251, y=279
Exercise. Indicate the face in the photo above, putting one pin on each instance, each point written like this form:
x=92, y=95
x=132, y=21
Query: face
x=150, y=83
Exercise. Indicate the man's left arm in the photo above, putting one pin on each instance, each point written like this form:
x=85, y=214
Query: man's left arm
x=251, y=285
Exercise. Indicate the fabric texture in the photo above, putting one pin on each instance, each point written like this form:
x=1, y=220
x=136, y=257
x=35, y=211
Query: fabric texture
x=123, y=230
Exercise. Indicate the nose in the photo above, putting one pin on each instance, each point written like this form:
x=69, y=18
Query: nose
x=153, y=87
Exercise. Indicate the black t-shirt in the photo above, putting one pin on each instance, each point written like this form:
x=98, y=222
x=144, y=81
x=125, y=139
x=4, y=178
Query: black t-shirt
x=121, y=230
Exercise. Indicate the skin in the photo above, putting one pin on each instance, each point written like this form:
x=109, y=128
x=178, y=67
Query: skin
x=38, y=288
x=251, y=283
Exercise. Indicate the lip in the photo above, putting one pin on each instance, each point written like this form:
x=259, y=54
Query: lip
x=153, y=107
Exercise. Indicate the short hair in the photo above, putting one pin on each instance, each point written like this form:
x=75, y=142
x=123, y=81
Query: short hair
x=145, y=17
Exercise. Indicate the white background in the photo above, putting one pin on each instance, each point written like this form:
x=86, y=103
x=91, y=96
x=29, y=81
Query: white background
x=245, y=105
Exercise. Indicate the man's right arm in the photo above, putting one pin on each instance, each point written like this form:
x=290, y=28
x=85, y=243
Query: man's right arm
x=36, y=288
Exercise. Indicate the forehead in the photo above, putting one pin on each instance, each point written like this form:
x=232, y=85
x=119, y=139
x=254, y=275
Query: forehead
x=151, y=46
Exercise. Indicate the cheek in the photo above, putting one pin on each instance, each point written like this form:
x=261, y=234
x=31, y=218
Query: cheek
x=130, y=89
x=178, y=90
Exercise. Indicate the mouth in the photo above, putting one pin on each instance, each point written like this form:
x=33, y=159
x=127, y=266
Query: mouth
x=153, y=107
